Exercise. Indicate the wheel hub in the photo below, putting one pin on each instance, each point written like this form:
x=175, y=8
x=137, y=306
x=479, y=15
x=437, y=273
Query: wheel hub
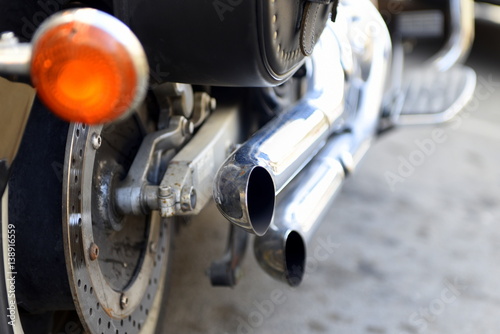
x=116, y=264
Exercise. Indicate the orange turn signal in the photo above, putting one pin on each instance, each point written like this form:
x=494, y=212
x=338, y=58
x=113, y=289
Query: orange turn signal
x=88, y=67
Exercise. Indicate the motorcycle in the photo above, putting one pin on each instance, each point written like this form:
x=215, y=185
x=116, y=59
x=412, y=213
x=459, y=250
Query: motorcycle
x=264, y=107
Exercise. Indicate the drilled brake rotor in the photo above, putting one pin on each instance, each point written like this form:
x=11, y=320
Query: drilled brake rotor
x=116, y=264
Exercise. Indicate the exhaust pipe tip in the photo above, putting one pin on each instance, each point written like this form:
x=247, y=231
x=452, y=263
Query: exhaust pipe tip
x=246, y=196
x=282, y=256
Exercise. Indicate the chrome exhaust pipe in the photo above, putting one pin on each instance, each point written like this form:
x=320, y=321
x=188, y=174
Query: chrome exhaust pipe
x=281, y=252
x=249, y=180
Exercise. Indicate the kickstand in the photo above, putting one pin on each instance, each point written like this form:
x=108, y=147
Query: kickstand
x=226, y=270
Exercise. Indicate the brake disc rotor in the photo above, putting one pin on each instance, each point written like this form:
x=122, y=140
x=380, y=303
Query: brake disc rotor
x=116, y=264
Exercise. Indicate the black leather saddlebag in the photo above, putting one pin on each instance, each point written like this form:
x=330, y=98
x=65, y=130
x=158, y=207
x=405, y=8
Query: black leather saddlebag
x=226, y=42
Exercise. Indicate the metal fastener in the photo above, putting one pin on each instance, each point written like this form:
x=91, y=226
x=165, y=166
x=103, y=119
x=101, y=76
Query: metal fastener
x=165, y=191
x=187, y=127
x=96, y=141
x=152, y=247
x=123, y=301
x=93, y=252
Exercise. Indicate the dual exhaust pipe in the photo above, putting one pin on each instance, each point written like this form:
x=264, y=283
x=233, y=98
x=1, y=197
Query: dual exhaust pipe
x=280, y=182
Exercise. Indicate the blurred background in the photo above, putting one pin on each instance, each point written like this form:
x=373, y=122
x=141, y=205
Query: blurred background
x=411, y=245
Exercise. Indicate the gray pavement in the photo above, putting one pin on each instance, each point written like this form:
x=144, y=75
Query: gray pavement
x=420, y=254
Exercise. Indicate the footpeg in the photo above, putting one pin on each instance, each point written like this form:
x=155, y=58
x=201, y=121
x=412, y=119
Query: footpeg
x=421, y=24
x=433, y=97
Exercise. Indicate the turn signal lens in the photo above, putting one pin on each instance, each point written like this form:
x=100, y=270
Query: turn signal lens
x=84, y=69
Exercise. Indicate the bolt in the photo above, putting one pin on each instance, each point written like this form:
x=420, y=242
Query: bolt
x=123, y=301
x=187, y=127
x=165, y=191
x=152, y=247
x=190, y=127
x=96, y=141
x=93, y=252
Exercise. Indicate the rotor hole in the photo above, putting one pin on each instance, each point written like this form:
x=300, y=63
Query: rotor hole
x=80, y=153
x=109, y=325
x=91, y=292
x=154, y=263
x=117, y=331
x=163, y=249
x=139, y=326
x=147, y=312
x=77, y=238
x=76, y=178
x=156, y=281
x=73, y=208
x=121, y=322
x=74, y=256
x=141, y=308
x=129, y=318
x=73, y=161
x=133, y=323
x=98, y=306
x=90, y=311
x=99, y=321
x=83, y=126
x=85, y=288
x=78, y=132
x=79, y=283
x=79, y=221
x=149, y=296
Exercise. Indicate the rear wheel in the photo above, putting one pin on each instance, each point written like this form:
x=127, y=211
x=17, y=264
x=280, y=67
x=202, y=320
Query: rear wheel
x=89, y=268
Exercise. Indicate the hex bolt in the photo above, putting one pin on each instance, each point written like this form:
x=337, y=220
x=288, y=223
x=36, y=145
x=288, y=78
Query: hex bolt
x=165, y=191
x=93, y=252
x=96, y=141
x=123, y=301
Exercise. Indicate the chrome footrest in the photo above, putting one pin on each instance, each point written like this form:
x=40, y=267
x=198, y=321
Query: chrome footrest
x=431, y=97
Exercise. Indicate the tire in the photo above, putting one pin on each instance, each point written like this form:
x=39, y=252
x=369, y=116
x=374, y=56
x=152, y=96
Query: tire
x=35, y=200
